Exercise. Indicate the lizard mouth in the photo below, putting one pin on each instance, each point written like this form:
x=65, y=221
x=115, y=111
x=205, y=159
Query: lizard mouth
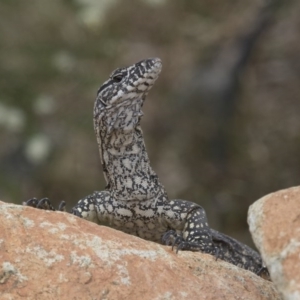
x=145, y=73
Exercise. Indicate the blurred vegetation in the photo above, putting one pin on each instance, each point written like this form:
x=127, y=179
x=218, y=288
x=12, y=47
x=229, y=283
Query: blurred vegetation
x=222, y=123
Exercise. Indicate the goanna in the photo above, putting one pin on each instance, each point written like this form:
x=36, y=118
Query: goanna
x=134, y=200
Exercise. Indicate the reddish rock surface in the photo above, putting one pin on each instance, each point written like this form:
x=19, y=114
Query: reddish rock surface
x=274, y=222
x=55, y=255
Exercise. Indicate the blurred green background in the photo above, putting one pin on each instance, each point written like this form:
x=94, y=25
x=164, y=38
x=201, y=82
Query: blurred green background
x=221, y=124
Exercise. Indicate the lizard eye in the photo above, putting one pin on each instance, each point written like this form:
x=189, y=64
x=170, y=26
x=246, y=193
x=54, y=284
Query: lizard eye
x=117, y=78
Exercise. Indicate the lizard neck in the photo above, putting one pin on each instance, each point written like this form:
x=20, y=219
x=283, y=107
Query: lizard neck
x=126, y=165
x=117, y=115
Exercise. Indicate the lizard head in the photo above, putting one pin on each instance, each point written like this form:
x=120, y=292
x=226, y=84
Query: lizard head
x=120, y=98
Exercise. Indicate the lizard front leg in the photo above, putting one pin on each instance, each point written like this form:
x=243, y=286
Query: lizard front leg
x=85, y=208
x=196, y=235
x=189, y=227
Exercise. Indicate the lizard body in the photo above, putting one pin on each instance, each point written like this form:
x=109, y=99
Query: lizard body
x=134, y=200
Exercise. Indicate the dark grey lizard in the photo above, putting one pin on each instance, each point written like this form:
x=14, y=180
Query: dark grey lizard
x=134, y=200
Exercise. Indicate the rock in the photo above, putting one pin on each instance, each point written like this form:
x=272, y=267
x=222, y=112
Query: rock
x=55, y=255
x=274, y=222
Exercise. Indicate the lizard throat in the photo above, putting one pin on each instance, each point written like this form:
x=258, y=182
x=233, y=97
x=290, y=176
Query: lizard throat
x=126, y=165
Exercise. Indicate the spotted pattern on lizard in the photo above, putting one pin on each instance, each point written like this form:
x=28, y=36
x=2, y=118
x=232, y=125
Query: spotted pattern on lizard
x=134, y=201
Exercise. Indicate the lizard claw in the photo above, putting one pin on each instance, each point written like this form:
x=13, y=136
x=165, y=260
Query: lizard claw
x=168, y=237
x=62, y=206
x=175, y=240
x=218, y=254
x=45, y=204
x=181, y=246
x=75, y=212
x=33, y=202
x=178, y=241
